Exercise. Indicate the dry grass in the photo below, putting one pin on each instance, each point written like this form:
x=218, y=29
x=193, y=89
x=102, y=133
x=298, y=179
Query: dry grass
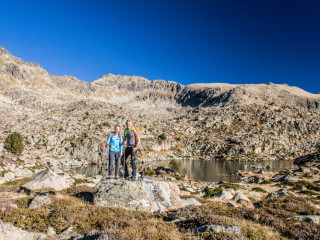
x=277, y=214
x=72, y=207
x=17, y=182
x=66, y=211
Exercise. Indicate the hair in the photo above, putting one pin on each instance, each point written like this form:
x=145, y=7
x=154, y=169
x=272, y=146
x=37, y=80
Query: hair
x=118, y=125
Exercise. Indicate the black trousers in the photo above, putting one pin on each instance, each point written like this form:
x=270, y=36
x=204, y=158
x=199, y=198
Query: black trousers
x=128, y=151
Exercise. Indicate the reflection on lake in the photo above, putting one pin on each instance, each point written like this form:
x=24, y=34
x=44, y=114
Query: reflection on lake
x=200, y=170
x=92, y=170
x=215, y=170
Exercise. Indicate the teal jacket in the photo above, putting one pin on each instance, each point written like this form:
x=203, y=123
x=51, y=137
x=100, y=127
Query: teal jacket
x=116, y=142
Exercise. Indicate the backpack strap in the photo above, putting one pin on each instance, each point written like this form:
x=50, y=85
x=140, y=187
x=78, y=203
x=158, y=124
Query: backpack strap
x=135, y=138
x=111, y=137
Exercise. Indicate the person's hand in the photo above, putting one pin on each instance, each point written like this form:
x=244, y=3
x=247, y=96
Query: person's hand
x=120, y=154
x=134, y=149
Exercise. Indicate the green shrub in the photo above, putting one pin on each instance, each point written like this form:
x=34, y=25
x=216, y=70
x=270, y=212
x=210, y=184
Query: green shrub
x=19, y=160
x=230, y=185
x=286, y=183
x=210, y=192
x=14, y=143
x=309, y=192
x=258, y=189
x=178, y=177
x=149, y=172
x=163, y=136
x=267, y=182
x=307, y=175
x=18, y=182
x=175, y=166
x=315, y=188
x=106, y=124
x=304, y=183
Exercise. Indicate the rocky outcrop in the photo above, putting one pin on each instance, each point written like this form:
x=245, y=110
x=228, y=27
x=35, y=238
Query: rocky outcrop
x=225, y=194
x=190, y=202
x=309, y=218
x=219, y=228
x=280, y=193
x=3, y=50
x=240, y=196
x=47, y=179
x=7, y=231
x=39, y=201
x=69, y=117
x=145, y=195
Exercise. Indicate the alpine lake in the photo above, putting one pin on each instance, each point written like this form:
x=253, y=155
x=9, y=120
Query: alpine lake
x=201, y=170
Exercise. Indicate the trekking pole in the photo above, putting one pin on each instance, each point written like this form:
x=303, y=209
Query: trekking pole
x=106, y=161
x=137, y=177
x=124, y=159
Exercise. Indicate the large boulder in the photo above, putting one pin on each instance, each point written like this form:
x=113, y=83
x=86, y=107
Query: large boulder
x=309, y=218
x=9, y=176
x=47, y=179
x=39, y=201
x=190, y=202
x=225, y=194
x=280, y=193
x=146, y=195
x=7, y=231
x=4, y=206
x=240, y=196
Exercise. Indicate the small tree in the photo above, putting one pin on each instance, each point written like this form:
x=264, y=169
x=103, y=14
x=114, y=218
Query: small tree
x=175, y=166
x=14, y=143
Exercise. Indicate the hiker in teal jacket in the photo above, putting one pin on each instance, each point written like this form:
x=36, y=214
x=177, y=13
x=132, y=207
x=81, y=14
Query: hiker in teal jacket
x=114, y=142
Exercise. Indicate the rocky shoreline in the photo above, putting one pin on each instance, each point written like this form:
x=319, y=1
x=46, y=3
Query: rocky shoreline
x=31, y=188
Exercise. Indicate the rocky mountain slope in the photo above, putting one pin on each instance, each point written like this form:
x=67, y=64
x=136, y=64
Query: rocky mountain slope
x=69, y=118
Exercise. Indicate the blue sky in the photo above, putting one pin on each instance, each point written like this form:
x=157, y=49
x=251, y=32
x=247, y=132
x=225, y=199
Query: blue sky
x=230, y=41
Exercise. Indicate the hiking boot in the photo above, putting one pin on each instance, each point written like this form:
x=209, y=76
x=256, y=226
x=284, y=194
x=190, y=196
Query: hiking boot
x=116, y=177
x=133, y=178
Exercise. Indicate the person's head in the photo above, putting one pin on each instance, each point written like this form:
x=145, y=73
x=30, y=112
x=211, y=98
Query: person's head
x=129, y=123
x=117, y=128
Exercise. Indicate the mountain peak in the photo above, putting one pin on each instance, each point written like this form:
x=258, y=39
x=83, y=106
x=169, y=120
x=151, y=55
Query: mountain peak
x=3, y=50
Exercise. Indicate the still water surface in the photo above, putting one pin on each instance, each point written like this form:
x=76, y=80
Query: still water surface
x=216, y=170
x=200, y=170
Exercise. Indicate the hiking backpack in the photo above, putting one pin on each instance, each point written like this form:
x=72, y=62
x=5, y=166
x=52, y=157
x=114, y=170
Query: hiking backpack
x=138, y=131
x=112, y=137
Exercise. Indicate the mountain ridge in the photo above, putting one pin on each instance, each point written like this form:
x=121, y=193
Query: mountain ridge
x=141, y=83
x=65, y=116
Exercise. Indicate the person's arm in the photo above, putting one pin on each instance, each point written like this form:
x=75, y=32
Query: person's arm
x=120, y=145
x=108, y=141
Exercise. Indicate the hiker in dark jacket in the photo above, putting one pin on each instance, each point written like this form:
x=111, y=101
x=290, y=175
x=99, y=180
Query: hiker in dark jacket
x=131, y=141
x=114, y=142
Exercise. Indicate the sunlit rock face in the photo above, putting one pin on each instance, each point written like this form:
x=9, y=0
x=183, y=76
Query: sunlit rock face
x=145, y=195
x=69, y=118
